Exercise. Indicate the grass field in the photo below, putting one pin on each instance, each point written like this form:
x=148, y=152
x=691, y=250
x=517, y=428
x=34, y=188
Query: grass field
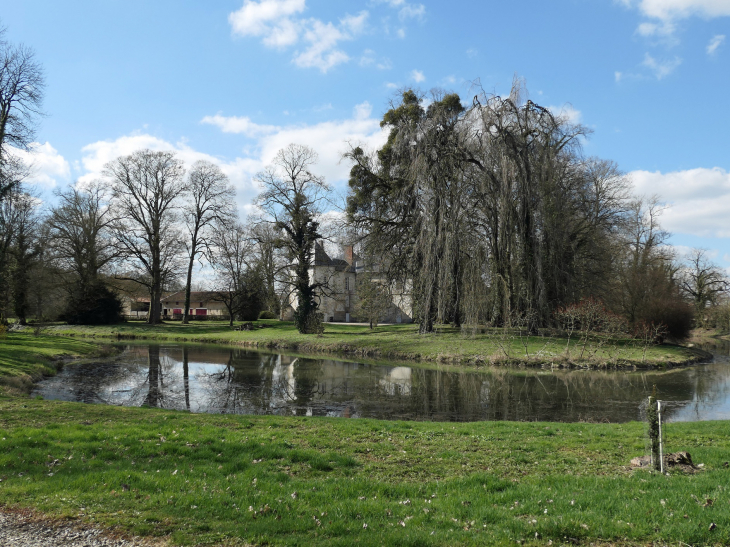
x=25, y=357
x=402, y=342
x=240, y=480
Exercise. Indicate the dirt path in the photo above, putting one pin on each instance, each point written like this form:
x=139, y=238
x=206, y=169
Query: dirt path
x=23, y=529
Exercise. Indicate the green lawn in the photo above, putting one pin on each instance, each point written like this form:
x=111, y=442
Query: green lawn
x=234, y=480
x=402, y=342
x=25, y=357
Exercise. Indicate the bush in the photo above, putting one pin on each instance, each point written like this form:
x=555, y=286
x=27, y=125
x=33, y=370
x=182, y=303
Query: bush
x=673, y=313
x=266, y=314
x=98, y=305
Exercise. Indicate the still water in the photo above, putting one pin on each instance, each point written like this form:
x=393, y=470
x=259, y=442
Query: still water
x=230, y=380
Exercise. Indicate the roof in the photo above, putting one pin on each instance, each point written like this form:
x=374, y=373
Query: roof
x=321, y=258
x=195, y=296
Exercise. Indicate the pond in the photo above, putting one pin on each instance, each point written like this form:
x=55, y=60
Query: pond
x=220, y=379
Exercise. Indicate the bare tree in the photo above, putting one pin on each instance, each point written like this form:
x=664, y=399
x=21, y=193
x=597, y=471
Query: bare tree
x=210, y=199
x=238, y=281
x=146, y=188
x=21, y=96
x=703, y=282
x=24, y=249
x=271, y=263
x=80, y=234
x=292, y=198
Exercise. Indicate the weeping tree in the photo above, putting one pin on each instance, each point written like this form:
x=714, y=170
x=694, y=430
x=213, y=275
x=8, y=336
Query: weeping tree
x=489, y=211
x=409, y=198
x=292, y=199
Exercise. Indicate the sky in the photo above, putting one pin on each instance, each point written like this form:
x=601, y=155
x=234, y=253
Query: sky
x=234, y=81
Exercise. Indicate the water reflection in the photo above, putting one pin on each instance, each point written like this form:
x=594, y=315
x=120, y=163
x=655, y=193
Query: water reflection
x=230, y=380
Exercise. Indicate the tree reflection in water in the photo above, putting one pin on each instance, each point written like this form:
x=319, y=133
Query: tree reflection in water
x=232, y=380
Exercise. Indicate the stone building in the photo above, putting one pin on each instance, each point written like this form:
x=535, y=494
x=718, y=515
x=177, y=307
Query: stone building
x=339, y=296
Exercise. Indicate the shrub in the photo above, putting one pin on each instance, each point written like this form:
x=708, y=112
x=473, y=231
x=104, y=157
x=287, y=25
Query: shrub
x=98, y=305
x=673, y=313
x=266, y=314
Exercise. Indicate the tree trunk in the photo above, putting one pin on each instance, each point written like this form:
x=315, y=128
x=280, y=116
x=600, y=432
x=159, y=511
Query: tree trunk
x=188, y=282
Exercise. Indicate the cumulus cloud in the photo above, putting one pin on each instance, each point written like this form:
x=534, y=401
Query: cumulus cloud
x=567, y=113
x=406, y=10
x=696, y=199
x=369, y=58
x=681, y=9
x=329, y=139
x=236, y=124
x=269, y=19
x=239, y=170
x=664, y=14
x=48, y=168
x=280, y=24
x=715, y=43
x=661, y=69
x=418, y=76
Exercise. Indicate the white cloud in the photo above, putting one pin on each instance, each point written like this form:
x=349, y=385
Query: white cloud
x=715, y=43
x=322, y=52
x=269, y=19
x=406, y=10
x=697, y=199
x=328, y=139
x=661, y=69
x=369, y=59
x=664, y=29
x=681, y=9
x=235, y=124
x=664, y=14
x=47, y=167
x=279, y=24
x=567, y=113
x=472, y=52
x=618, y=76
x=412, y=11
x=239, y=170
x=418, y=76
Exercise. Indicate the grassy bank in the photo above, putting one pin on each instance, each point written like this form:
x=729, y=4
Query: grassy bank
x=25, y=357
x=402, y=342
x=208, y=479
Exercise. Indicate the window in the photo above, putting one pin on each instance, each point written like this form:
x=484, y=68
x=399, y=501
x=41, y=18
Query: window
x=347, y=283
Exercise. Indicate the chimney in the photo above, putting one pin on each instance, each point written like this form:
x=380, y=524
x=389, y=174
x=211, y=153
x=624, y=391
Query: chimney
x=348, y=254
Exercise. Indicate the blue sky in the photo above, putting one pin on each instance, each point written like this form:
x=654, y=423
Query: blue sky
x=234, y=81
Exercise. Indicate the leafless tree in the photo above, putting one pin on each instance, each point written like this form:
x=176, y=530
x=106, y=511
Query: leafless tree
x=292, y=199
x=703, y=282
x=238, y=283
x=209, y=200
x=271, y=262
x=80, y=232
x=24, y=249
x=21, y=96
x=146, y=190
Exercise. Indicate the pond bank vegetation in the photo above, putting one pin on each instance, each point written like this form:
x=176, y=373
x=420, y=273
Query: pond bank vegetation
x=447, y=345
